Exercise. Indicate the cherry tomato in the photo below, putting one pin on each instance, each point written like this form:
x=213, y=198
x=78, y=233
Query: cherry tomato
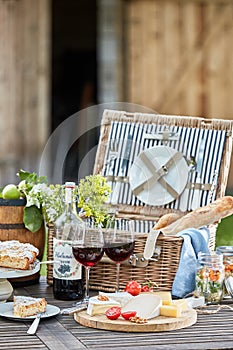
x=133, y=287
x=149, y=286
x=127, y=314
x=145, y=289
x=113, y=313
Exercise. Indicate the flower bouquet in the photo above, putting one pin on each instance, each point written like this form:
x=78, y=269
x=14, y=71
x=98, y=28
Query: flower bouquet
x=44, y=202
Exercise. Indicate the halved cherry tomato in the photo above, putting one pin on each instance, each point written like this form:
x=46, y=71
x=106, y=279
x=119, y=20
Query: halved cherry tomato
x=127, y=314
x=113, y=313
x=133, y=287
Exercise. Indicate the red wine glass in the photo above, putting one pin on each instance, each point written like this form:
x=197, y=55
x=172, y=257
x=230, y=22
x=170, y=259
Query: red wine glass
x=118, y=243
x=88, y=250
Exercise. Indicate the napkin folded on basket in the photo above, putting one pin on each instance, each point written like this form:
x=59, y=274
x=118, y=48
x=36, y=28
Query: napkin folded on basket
x=195, y=241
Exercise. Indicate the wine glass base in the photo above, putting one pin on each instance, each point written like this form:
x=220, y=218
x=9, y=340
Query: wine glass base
x=6, y=290
x=81, y=302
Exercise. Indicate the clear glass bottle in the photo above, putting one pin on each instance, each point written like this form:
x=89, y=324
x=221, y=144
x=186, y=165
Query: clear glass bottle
x=67, y=272
x=210, y=277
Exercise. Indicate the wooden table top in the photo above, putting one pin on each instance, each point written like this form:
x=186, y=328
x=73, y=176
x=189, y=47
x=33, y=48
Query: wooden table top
x=212, y=331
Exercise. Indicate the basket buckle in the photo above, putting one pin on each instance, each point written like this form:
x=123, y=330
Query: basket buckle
x=138, y=260
x=156, y=255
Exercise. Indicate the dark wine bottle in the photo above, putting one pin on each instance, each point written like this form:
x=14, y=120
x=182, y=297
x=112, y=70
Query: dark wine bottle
x=67, y=272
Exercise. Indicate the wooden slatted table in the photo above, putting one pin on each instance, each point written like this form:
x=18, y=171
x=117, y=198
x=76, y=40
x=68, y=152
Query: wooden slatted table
x=62, y=332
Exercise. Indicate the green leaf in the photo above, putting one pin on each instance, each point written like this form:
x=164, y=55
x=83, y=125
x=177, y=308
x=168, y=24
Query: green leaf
x=31, y=178
x=32, y=218
x=23, y=175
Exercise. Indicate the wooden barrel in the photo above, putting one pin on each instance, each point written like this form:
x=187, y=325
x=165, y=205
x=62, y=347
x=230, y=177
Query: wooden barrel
x=12, y=228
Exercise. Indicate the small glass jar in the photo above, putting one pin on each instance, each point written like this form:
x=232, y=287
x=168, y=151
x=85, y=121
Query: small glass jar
x=210, y=277
x=227, y=252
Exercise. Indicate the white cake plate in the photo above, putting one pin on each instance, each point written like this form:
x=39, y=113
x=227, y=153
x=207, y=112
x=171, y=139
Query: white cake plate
x=6, y=288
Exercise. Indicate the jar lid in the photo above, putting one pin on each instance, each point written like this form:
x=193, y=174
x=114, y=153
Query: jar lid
x=208, y=258
x=225, y=250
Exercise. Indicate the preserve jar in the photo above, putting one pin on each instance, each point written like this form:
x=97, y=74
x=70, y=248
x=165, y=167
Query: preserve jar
x=210, y=277
x=227, y=252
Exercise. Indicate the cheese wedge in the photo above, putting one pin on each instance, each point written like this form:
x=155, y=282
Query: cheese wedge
x=98, y=307
x=171, y=310
x=120, y=297
x=165, y=296
x=182, y=303
x=147, y=305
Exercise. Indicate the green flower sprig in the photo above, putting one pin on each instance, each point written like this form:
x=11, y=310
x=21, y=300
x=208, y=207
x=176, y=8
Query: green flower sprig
x=94, y=193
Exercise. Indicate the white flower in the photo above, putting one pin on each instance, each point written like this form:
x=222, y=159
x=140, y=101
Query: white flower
x=51, y=214
x=38, y=188
x=32, y=201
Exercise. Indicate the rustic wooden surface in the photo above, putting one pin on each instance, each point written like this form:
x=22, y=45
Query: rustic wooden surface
x=24, y=84
x=176, y=56
x=62, y=332
x=179, y=58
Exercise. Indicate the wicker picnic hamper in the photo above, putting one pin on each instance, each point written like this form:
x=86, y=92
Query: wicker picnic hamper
x=183, y=135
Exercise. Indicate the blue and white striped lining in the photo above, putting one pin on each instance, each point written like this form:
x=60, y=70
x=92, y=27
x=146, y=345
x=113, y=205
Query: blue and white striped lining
x=139, y=226
x=188, y=144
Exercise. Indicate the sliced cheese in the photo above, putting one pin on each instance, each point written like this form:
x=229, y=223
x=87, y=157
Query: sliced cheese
x=182, y=303
x=165, y=296
x=171, y=310
x=98, y=307
x=120, y=297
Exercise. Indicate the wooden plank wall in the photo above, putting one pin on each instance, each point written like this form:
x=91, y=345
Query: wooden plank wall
x=24, y=84
x=179, y=57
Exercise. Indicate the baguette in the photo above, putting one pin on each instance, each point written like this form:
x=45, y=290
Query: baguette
x=203, y=216
x=166, y=220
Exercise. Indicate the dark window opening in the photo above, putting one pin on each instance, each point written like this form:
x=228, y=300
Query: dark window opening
x=74, y=71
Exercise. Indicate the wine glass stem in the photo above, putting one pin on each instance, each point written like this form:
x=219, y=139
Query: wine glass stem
x=118, y=265
x=87, y=269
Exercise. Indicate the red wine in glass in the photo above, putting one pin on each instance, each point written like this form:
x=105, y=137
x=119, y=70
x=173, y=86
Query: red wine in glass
x=88, y=256
x=119, y=251
x=118, y=243
x=88, y=249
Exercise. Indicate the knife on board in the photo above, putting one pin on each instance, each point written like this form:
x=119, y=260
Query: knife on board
x=197, y=191
x=123, y=169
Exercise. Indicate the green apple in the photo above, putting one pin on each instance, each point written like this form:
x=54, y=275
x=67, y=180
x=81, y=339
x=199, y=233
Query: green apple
x=10, y=192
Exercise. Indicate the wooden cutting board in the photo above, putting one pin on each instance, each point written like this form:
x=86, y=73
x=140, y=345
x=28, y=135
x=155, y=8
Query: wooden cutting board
x=157, y=324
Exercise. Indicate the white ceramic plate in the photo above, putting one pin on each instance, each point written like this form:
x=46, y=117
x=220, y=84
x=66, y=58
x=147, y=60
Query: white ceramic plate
x=6, y=310
x=156, y=193
x=12, y=273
